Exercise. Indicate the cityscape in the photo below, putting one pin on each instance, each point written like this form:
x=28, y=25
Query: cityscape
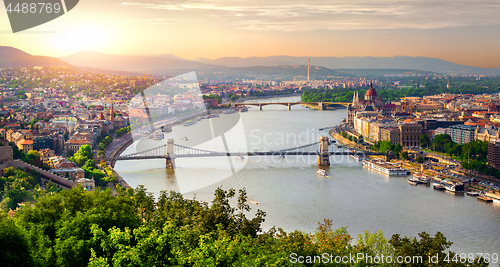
x=225, y=156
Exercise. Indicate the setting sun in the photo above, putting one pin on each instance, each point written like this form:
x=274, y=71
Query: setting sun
x=73, y=40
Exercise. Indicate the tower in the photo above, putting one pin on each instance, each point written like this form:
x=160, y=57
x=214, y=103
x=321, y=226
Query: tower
x=112, y=116
x=308, y=69
x=170, y=155
x=323, y=153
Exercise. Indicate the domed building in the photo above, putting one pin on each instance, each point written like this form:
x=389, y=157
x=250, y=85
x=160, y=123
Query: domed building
x=371, y=99
x=371, y=94
x=371, y=102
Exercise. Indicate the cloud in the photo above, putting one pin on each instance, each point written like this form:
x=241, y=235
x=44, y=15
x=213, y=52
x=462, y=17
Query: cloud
x=292, y=15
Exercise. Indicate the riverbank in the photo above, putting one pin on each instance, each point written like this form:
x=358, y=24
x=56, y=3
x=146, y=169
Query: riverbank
x=122, y=144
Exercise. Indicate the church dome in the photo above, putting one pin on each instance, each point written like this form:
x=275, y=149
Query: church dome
x=371, y=94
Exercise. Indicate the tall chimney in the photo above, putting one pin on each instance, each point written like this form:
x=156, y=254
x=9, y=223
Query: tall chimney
x=308, y=69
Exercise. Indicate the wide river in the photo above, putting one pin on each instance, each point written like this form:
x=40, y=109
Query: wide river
x=295, y=197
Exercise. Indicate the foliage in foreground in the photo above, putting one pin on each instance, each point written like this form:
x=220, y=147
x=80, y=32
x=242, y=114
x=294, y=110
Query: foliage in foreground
x=80, y=228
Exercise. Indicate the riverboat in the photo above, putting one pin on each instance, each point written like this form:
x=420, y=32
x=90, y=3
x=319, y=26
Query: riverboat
x=414, y=181
x=385, y=168
x=240, y=158
x=484, y=198
x=423, y=179
x=454, y=187
x=231, y=111
x=158, y=135
x=438, y=186
x=243, y=109
x=184, y=138
x=473, y=193
x=321, y=172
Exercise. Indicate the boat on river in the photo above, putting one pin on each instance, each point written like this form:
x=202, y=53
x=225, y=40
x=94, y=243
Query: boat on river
x=473, y=193
x=484, y=198
x=184, y=138
x=158, y=135
x=414, y=181
x=385, y=168
x=321, y=172
x=438, y=186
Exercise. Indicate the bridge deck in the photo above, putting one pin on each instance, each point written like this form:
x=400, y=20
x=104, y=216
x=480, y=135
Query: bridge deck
x=248, y=154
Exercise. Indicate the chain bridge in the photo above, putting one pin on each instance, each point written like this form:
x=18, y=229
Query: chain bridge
x=170, y=151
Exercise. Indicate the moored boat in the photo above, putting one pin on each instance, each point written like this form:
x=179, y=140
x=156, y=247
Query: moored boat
x=184, y=138
x=484, y=198
x=385, y=168
x=454, y=187
x=240, y=158
x=413, y=181
x=231, y=111
x=473, y=193
x=422, y=178
x=438, y=186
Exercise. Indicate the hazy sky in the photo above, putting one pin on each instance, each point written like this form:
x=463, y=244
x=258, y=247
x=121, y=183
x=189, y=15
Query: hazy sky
x=464, y=32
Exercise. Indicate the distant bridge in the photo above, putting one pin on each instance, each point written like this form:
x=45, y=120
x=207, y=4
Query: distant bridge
x=171, y=151
x=315, y=105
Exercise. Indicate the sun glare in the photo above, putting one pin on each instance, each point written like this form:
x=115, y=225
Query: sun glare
x=75, y=40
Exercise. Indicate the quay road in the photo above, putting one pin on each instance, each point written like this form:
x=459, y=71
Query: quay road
x=451, y=171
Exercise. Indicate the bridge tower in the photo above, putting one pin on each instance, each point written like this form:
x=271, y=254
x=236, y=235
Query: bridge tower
x=321, y=106
x=324, y=154
x=289, y=106
x=170, y=156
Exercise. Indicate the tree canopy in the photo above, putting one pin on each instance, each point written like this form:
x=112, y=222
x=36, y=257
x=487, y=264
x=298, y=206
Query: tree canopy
x=131, y=228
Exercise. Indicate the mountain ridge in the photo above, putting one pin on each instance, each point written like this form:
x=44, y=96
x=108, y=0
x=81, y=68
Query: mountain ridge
x=16, y=58
x=367, y=62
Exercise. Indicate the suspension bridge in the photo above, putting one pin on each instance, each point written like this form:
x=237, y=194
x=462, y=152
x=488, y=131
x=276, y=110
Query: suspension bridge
x=171, y=151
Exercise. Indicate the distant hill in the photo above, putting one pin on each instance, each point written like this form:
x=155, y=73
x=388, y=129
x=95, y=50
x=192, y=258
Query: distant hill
x=227, y=68
x=397, y=62
x=172, y=56
x=13, y=57
x=142, y=64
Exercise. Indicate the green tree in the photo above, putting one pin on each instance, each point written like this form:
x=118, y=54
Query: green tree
x=424, y=140
x=386, y=146
x=419, y=159
x=404, y=155
x=82, y=155
x=15, y=249
x=427, y=245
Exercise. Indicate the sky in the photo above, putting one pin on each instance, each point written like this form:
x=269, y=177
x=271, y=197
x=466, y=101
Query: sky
x=464, y=32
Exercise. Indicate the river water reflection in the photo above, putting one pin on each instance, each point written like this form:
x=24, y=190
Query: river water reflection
x=295, y=197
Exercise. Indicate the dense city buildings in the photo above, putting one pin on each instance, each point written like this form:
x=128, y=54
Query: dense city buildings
x=56, y=111
x=494, y=154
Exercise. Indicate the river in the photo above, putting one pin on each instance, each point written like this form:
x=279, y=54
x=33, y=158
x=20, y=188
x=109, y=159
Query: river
x=295, y=197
